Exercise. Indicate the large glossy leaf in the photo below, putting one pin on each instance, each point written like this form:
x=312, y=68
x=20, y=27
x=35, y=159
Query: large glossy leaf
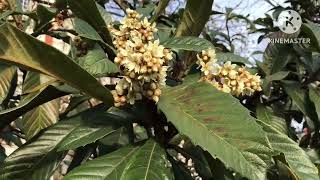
x=35, y=82
x=104, y=14
x=219, y=124
x=188, y=43
x=97, y=63
x=276, y=55
x=107, y=167
x=85, y=135
x=314, y=95
x=86, y=30
x=313, y=30
x=278, y=76
x=273, y=77
x=149, y=162
x=38, y=158
x=264, y=114
x=89, y=12
x=7, y=74
x=21, y=49
x=145, y=162
x=297, y=159
x=29, y=102
x=194, y=18
x=42, y=116
x=45, y=14
x=301, y=99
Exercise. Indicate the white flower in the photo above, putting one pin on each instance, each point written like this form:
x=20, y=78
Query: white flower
x=156, y=49
x=215, y=70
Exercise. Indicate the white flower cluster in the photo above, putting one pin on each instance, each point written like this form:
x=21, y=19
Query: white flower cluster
x=142, y=61
x=227, y=78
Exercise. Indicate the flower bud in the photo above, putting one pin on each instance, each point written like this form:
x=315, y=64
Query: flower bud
x=149, y=64
x=149, y=93
x=157, y=92
x=155, y=98
x=153, y=86
x=155, y=68
x=123, y=99
x=143, y=69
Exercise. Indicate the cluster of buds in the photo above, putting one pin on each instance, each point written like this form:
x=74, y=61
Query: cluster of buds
x=3, y=5
x=142, y=61
x=131, y=26
x=81, y=46
x=227, y=78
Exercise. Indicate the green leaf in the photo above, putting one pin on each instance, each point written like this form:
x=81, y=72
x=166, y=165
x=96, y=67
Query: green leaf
x=274, y=77
x=85, y=135
x=89, y=12
x=35, y=81
x=39, y=158
x=86, y=30
x=42, y=116
x=188, y=43
x=104, y=14
x=75, y=101
x=7, y=74
x=45, y=14
x=314, y=95
x=146, y=10
x=278, y=76
x=159, y=9
x=97, y=63
x=264, y=114
x=224, y=57
x=107, y=167
x=149, y=162
x=296, y=157
x=218, y=123
x=21, y=49
x=195, y=16
x=301, y=99
x=313, y=30
x=145, y=162
x=115, y=140
x=276, y=55
x=29, y=102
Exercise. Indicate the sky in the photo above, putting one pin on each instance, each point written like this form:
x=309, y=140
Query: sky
x=254, y=8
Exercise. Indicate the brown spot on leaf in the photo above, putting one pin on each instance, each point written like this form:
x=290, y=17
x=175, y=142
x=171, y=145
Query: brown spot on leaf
x=209, y=119
x=219, y=129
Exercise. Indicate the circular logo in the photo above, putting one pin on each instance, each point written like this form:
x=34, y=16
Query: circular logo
x=289, y=21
